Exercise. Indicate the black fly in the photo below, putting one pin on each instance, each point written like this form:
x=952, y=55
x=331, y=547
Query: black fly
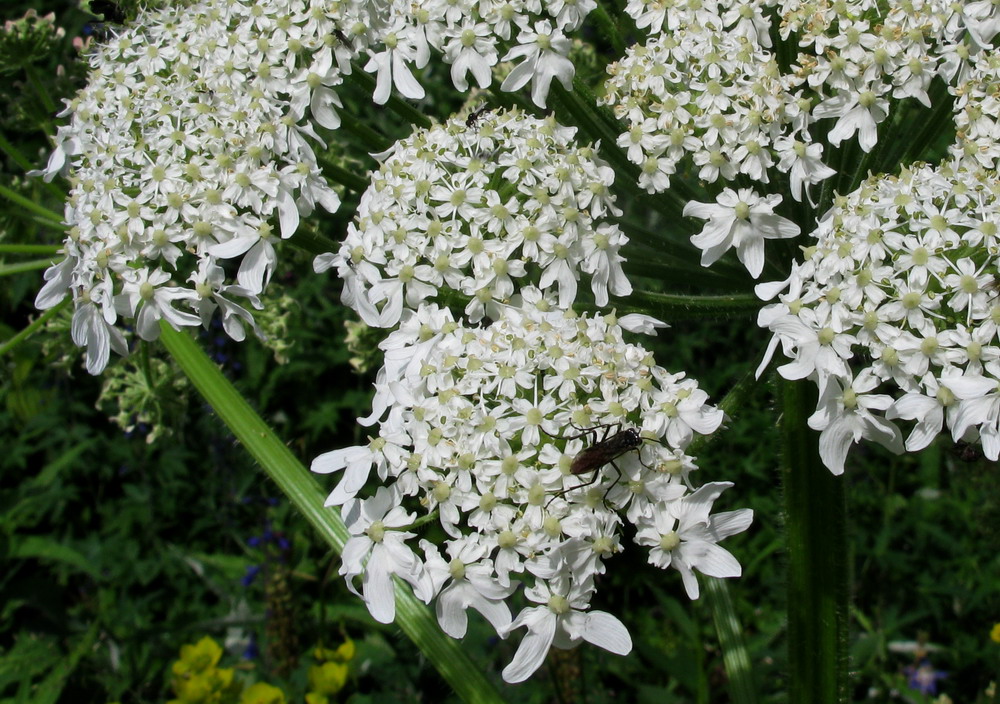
x=473, y=117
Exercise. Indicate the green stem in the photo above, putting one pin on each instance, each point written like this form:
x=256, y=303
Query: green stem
x=31, y=206
x=314, y=243
x=51, y=249
x=32, y=327
x=43, y=95
x=940, y=119
x=301, y=488
x=349, y=180
x=21, y=267
x=371, y=140
x=815, y=522
x=731, y=404
x=608, y=27
x=658, y=270
x=684, y=307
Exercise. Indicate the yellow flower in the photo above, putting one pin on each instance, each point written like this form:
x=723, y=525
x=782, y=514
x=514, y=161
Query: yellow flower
x=262, y=693
x=328, y=678
x=344, y=653
x=995, y=633
x=209, y=686
x=199, y=657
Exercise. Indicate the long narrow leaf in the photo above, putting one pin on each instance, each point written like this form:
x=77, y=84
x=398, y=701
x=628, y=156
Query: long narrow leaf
x=734, y=650
x=301, y=488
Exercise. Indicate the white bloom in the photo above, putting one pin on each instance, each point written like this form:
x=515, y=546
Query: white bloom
x=436, y=218
x=479, y=428
x=543, y=54
x=167, y=188
x=739, y=219
x=561, y=620
x=378, y=551
x=857, y=112
x=682, y=535
x=845, y=415
x=893, y=310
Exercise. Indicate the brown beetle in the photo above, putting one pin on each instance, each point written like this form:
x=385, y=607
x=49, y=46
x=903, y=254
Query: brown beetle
x=601, y=452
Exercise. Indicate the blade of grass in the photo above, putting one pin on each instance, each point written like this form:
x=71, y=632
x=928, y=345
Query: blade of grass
x=734, y=650
x=301, y=488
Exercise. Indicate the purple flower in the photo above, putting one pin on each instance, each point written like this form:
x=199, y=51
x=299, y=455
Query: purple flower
x=923, y=677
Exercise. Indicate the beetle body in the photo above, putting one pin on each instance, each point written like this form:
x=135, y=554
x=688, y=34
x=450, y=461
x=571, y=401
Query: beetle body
x=607, y=450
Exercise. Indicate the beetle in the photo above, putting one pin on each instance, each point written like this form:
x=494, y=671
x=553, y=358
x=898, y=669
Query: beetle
x=601, y=452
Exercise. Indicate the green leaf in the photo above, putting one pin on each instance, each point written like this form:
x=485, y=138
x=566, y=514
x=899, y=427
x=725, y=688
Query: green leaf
x=301, y=488
x=734, y=650
x=42, y=548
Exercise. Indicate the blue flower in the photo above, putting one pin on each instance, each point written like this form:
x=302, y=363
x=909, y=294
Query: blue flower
x=923, y=677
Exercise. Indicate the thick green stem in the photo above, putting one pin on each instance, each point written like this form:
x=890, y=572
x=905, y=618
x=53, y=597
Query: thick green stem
x=815, y=522
x=608, y=26
x=939, y=122
x=301, y=488
x=335, y=172
x=370, y=139
x=50, y=249
x=684, y=307
x=739, y=670
x=43, y=95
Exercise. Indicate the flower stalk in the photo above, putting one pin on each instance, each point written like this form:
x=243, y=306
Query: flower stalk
x=815, y=518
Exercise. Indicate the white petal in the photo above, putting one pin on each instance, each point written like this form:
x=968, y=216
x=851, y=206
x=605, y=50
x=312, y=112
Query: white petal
x=533, y=648
x=605, y=631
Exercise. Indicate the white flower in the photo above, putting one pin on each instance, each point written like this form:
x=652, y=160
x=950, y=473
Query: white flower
x=446, y=217
x=739, y=219
x=168, y=188
x=377, y=551
x=859, y=112
x=682, y=535
x=390, y=65
x=543, y=53
x=845, y=415
x=893, y=310
x=478, y=429
x=561, y=620
x=472, y=586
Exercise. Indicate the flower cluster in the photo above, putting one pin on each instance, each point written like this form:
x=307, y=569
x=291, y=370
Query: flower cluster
x=193, y=135
x=470, y=35
x=485, y=428
x=899, y=294
x=483, y=209
x=706, y=96
x=895, y=311
x=26, y=40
